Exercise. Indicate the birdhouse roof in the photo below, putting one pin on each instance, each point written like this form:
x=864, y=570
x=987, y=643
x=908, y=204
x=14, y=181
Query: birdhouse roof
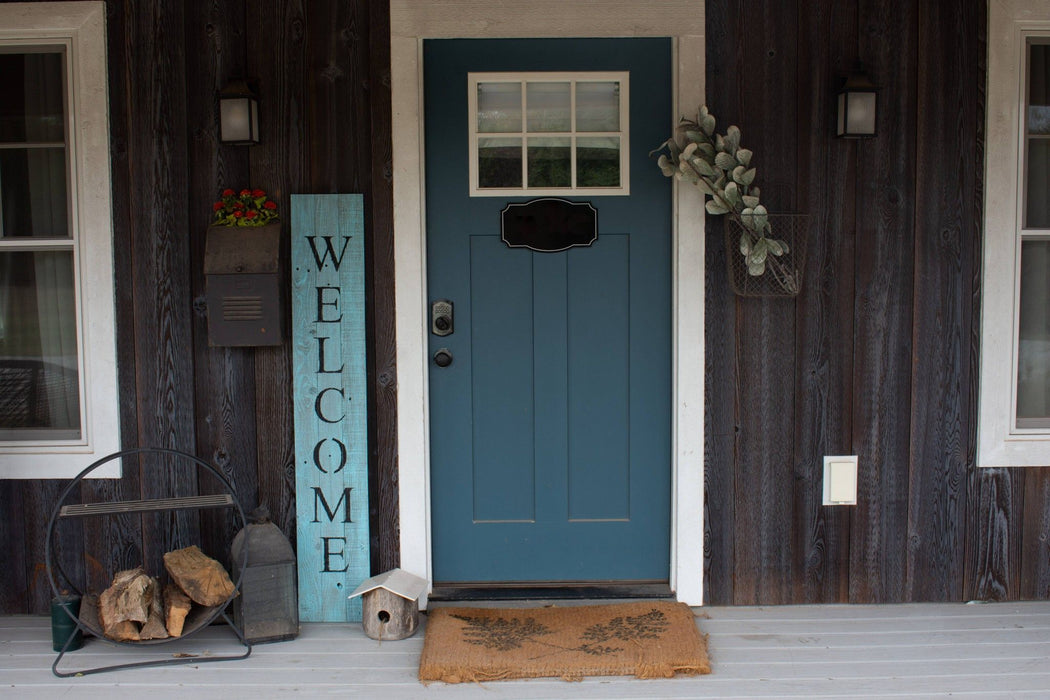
x=397, y=581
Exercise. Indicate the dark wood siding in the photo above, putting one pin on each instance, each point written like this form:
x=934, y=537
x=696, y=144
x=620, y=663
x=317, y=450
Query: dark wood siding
x=322, y=71
x=877, y=357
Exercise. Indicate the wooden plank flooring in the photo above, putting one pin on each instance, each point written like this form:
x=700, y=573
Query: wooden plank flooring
x=993, y=651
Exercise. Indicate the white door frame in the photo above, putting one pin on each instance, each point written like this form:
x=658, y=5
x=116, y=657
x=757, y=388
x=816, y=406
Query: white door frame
x=411, y=22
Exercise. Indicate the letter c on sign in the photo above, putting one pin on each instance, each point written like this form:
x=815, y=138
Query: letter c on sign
x=320, y=399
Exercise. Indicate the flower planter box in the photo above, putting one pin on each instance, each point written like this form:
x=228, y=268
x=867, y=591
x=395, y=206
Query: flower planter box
x=245, y=286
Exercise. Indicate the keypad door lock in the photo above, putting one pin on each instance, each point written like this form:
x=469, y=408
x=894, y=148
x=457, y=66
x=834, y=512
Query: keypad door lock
x=441, y=322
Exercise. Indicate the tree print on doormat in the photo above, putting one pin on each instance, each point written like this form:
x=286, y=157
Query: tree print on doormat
x=626, y=629
x=646, y=639
x=499, y=633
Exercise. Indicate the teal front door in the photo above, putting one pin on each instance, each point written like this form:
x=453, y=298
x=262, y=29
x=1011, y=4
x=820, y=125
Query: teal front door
x=550, y=371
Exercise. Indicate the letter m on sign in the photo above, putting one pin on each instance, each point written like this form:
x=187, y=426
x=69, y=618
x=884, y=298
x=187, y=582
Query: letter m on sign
x=328, y=382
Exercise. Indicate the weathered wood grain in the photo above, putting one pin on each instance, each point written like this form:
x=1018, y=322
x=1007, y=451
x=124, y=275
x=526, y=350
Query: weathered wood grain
x=944, y=225
x=13, y=594
x=883, y=308
x=160, y=267
x=224, y=378
x=993, y=548
x=383, y=483
x=1035, y=552
x=277, y=53
x=824, y=314
x=766, y=475
x=723, y=55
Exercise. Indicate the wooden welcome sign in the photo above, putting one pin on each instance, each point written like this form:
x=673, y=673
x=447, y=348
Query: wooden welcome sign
x=331, y=434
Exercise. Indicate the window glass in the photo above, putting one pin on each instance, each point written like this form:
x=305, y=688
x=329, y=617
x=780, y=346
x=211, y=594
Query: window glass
x=39, y=394
x=598, y=106
x=39, y=366
x=31, y=97
x=548, y=133
x=598, y=161
x=550, y=162
x=499, y=108
x=549, y=107
x=499, y=162
x=1033, y=340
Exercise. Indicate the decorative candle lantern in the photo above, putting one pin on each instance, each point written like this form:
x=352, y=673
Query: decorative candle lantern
x=267, y=610
x=390, y=604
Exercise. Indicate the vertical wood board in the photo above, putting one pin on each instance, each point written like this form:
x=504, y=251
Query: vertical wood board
x=330, y=403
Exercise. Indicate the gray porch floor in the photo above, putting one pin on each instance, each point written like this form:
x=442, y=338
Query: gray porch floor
x=997, y=650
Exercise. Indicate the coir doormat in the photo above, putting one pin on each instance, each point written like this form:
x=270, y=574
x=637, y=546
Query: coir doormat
x=646, y=639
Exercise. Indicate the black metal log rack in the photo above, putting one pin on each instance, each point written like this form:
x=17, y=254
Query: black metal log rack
x=205, y=617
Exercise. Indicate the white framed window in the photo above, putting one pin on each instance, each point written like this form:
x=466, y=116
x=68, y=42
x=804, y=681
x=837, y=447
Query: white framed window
x=58, y=385
x=1014, y=401
x=548, y=133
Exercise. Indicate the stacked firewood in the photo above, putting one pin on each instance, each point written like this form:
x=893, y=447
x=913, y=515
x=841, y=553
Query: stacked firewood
x=136, y=608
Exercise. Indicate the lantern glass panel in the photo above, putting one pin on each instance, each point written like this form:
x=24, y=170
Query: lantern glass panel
x=860, y=113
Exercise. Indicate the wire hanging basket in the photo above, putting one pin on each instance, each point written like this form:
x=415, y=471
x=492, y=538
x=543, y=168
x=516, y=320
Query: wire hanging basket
x=782, y=275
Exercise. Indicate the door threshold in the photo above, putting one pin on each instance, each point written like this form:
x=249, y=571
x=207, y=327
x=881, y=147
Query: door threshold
x=460, y=592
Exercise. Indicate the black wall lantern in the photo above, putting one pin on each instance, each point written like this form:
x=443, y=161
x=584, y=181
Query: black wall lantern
x=238, y=114
x=857, y=106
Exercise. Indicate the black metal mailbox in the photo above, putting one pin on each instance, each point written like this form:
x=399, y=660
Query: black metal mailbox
x=244, y=285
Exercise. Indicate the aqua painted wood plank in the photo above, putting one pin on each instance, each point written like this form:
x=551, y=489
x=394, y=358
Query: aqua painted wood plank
x=331, y=421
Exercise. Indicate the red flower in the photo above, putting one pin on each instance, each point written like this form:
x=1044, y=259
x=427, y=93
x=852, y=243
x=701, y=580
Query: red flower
x=258, y=194
x=217, y=206
x=246, y=193
x=238, y=205
x=251, y=215
x=270, y=205
x=238, y=214
x=227, y=192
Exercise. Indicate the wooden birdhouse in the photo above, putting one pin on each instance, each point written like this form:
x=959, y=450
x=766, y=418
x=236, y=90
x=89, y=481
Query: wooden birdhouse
x=390, y=604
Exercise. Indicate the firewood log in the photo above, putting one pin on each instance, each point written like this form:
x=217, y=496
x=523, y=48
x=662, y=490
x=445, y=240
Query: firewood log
x=176, y=607
x=203, y=579
x=125, y=603
x=155, y=627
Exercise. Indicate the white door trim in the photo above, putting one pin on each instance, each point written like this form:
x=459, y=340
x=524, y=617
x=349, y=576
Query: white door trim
x=411, y=22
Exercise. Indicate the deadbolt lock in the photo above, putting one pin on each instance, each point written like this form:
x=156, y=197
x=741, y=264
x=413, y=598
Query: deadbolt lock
x=441, y=318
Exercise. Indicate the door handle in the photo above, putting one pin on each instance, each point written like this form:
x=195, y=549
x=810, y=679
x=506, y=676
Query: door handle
x=443, y=357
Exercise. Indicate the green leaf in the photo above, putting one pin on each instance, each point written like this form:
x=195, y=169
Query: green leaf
x=759, y=252
x=733, y=195
x=707, y=123
x=743, y=156
x=745, y=243
x=715, y=207
x=750, y=201
x=704, y=186
x=756, y=269
x=725, y=161
x=707, y=150
x=666, y=166
x=732, y=138
x=720, y=143
x=782, y=246
x=703, y=167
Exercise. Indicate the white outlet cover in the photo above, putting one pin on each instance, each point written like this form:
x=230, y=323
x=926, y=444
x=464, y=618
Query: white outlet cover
x=840, y=480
